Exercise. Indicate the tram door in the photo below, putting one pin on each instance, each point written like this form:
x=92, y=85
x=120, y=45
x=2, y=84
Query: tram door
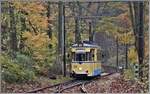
x=92, y=59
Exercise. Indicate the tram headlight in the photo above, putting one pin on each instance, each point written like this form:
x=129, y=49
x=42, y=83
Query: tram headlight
x=80, y=68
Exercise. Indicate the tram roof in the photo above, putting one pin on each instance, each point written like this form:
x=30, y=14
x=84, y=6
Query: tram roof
x=85, y=45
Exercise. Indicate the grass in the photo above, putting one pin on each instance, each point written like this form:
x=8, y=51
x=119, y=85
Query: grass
x=60, y=79
x=45, y=80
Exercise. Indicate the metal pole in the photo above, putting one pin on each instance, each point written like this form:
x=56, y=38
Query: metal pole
x=126, y=49
x=117, y=51
x=61, y=35
x=64, y=54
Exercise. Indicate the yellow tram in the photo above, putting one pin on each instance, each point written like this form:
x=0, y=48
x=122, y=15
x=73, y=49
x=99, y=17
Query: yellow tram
x=85, y=60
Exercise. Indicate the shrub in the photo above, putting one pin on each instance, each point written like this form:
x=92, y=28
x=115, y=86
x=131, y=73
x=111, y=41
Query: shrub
x=129, y=74
x=24, y=60
x=14, y=73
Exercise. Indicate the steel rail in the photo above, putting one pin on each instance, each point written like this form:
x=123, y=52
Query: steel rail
x=50, y=86
x=84, y=90
x=70, y=86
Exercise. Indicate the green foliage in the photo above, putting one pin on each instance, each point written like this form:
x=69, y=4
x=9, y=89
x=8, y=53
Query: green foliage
x=129, y=74
x=24, y=60
x=14, y=73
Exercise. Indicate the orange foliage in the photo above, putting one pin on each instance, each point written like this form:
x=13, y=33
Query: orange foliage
x=30, y=7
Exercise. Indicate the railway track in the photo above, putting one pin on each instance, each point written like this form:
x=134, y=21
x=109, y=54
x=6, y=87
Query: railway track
x=78, y=83
x=50, y=86
x=84, y=90
x=60, y=87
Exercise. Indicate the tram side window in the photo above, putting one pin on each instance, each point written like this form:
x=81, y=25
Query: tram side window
x=92, y=55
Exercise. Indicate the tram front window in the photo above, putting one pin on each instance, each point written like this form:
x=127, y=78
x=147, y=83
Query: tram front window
x=87, y=56
x=80, y=57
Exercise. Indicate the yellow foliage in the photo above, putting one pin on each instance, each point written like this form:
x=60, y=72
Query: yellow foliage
x=30, y=7
x=35, y=13
x=132, y=55
x=54, y=41
x=126, y=38
x=27, y=34
x=38, y=44
x=38, y=21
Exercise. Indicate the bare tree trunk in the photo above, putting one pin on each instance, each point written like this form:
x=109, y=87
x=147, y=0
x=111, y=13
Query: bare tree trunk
x=141, y=38
x=13, y=36
x=49, y=31
x=137, y=16
x=0, y=38
x=132, y=15
x=23, y=28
